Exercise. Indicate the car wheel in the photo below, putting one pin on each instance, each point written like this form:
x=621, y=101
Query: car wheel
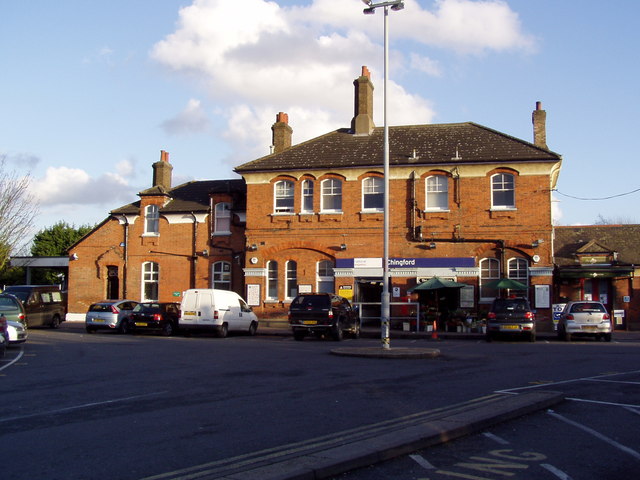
x=167, y=330
x=90, y=330
x=55, y=321
x=607, y=337
x=223, y=330
x=299, y=335
x=124, y=327
x=253, y=328
x=566, y=336
x=532, y=337
x=337, y=332
x=489, y=338
x=356, y=330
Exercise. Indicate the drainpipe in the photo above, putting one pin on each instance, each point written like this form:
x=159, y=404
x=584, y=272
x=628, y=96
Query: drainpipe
x=126, y=255
x=194, y=257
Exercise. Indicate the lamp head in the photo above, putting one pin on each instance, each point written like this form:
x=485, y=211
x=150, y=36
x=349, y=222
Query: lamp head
x=397, y=6
x=367, y=2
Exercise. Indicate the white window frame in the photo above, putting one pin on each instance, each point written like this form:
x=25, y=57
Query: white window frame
x=283, y=197
x=324, y=276
x=150, y=276
x=518, y=269
x=331, y=188
x=272, y=280
x=222, y=218
x=494, y=270
x=221, y=275
x=437, y=186
x=374, y=187
x=307, y=196
x=152, y=220
x=502, y=184
x=291, y=279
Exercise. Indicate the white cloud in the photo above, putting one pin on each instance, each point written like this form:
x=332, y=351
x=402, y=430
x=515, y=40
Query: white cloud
x=302, y=60
x=192, y=119
x=73, y=186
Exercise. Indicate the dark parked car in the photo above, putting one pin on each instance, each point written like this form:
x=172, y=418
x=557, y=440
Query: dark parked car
x=511, y=317
x=321, y=314
x=45, y=305
x=158, y=316
x=13, y=315
x=4, y=335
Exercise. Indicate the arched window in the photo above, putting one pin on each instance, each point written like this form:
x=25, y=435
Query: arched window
x=331, y=200
x=503, y=191
x=272, y=280
x=283, y=193
x=307, y=196
x=150, y=281
x=489, y=270
x=373, y=194
x=221, y=275
x=519, y=270
x=151, y=219
x=325, y=277
x=437, y=193
x=292, y=279
x=222, y=219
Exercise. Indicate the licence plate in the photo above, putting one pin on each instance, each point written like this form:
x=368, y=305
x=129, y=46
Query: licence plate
x=310, y=322
x=97, y=320
x=510, y=327
x=141, y=324
x=189, y=313
x=590, y=328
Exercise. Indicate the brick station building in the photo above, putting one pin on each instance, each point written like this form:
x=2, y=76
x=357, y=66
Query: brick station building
x=467, y=203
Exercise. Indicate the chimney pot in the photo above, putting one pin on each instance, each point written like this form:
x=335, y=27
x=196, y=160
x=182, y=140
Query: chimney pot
x=162, y=171
x=539, y=119
x=281, y=133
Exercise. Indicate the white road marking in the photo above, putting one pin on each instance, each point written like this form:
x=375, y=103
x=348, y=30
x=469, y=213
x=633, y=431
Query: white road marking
x=596, y=434
x=424, y=463
x=496, y=438
x=78, y=407
x=558, y=473
x=12, y=361
x=612, y=404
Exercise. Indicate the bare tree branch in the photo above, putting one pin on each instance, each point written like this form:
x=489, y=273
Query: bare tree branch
x=18, y=209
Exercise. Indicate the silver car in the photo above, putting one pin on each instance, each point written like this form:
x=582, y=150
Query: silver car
x=109, y=315
x=585, y=318
x=17, y=332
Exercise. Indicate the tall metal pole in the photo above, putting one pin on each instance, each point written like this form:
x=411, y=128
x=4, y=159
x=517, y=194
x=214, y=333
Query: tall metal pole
x=385, y=304
x=385, y=300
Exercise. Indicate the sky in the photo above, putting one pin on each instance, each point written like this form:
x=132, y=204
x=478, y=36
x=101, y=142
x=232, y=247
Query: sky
x=91, y=92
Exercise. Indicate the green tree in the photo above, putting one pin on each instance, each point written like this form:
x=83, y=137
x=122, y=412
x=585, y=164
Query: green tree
x=52, y=242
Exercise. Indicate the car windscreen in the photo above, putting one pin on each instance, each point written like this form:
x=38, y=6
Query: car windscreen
x=100, y=307
x=508, y=305
x=8, y=303
x=147, y=308
x=311, y=302
x=21, y=294
x=587, y=307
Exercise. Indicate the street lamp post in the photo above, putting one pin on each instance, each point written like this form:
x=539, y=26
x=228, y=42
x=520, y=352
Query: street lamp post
x=385, y=312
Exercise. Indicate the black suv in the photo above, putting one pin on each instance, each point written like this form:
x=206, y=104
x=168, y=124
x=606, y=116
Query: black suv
x=511, y=316
x=162, y=317
x=323, y=313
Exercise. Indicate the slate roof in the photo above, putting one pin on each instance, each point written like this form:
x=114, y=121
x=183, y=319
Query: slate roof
x=433, y=144
x=192, y=196
x=624, y=239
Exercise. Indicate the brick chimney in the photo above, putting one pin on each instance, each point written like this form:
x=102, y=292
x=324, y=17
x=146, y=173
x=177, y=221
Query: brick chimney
x=539, y=119
x=362, y=123
x=281, y=133
x=162, y=171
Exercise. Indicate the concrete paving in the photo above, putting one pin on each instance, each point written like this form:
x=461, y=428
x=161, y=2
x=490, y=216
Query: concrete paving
x=331, y=455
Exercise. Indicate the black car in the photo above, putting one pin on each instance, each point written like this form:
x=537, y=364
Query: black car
x=321, y=314
x=511, y=317
x=157, y=316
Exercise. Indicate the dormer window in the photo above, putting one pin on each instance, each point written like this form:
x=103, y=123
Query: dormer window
x=151, y=220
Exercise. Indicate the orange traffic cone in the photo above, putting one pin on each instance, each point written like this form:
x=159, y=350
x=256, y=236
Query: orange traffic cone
x=434, y=334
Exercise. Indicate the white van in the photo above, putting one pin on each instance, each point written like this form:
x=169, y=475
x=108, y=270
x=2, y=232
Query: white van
x=220, y=311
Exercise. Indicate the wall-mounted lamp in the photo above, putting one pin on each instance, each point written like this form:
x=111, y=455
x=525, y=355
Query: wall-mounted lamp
x=343, y=246
x=429, y=246
x=252, y=248
x=73, y=256
x=536, y=243
x=203, y=253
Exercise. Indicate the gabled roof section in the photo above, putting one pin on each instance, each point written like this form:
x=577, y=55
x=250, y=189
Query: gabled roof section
x=570, y=242
x=433, y=145
x=193, y=196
